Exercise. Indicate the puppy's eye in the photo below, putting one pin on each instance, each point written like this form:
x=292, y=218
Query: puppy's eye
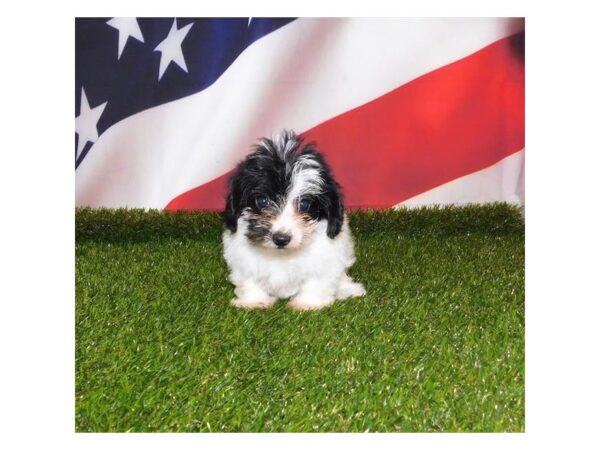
x=303, y=205
x=262, y=202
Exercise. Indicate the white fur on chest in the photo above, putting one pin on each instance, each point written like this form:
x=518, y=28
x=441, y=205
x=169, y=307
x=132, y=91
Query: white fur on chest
x=281, y=273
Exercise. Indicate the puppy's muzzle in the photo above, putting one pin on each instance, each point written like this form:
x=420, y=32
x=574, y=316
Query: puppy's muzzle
x=281, y=239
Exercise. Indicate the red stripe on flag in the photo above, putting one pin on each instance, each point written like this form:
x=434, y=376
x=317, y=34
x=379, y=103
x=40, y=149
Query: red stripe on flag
x=448, y=123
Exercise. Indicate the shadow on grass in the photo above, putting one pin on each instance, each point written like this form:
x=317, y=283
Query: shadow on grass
x=139, y=225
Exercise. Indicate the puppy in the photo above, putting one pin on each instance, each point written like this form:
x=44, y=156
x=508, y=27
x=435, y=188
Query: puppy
x=286, y=232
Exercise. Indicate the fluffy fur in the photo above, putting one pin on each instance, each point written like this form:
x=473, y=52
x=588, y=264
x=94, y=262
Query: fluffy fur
x=287, y=234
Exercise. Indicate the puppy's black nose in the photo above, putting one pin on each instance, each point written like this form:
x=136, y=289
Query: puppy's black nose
x=281, y=239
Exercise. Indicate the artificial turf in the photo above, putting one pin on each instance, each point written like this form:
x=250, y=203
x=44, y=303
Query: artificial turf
x=436, y=345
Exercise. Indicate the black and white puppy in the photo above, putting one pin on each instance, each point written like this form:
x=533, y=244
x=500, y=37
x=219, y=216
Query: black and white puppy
x=287, y=234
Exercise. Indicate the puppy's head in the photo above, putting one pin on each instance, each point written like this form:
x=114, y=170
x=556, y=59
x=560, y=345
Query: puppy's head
x=282, y=190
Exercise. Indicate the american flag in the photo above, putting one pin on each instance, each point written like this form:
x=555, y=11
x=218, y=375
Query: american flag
x=408, y=111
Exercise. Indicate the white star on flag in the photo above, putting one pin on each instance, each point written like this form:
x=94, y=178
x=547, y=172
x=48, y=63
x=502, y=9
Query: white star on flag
x=127, y=27
x=170, y=48
x=86, y=122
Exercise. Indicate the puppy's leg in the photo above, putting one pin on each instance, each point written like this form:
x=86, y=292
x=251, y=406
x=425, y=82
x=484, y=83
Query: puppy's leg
x=250, y=295
x=314, y=294
x=349, y=288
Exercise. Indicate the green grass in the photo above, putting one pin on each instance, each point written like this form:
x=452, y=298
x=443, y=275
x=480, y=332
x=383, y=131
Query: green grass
x=436, y=345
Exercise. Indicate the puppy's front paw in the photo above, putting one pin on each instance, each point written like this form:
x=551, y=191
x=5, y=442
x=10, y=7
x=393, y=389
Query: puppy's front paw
x=261, y=303
x=351, y=289
x=308, y=304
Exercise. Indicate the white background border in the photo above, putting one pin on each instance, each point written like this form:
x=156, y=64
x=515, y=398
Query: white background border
x=37, y=186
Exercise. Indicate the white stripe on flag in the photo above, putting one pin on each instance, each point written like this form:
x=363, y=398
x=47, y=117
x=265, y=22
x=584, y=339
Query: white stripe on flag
x=296, y=77
x=501, y=182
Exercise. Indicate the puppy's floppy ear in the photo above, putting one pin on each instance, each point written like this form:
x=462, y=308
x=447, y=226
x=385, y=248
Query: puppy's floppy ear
x=335, y=210
x=232, y=205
